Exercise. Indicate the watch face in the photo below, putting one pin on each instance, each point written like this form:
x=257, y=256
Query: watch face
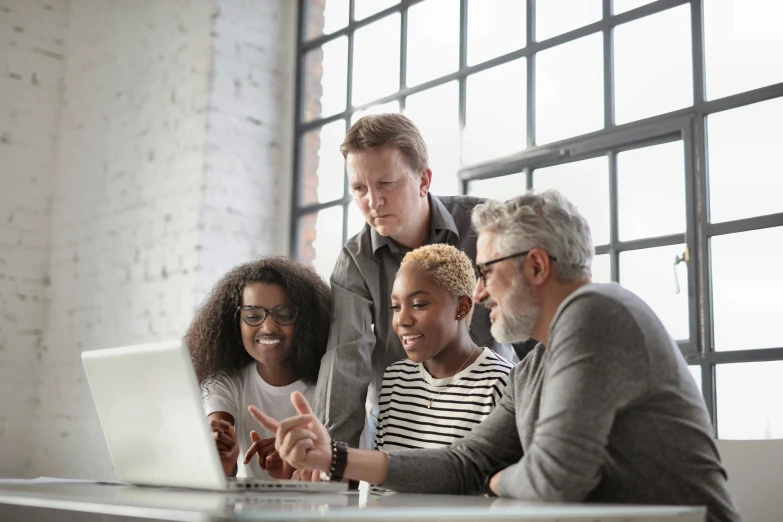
x=325, y=477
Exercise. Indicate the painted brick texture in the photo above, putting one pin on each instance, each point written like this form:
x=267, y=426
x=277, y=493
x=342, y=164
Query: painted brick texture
x=145, y=149
x=31, y=70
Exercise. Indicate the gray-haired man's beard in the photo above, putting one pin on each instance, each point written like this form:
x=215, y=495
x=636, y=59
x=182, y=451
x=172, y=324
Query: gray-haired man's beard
x=520, y=311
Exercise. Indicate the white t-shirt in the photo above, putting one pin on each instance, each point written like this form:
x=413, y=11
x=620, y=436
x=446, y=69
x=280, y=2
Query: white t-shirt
x=233, y=394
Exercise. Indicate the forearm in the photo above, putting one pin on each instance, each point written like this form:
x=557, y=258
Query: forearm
x=367, y=465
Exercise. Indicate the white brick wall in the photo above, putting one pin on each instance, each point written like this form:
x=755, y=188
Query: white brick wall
x=133, y=173
x=127, y=198
x=31, y=71
x=247, y=198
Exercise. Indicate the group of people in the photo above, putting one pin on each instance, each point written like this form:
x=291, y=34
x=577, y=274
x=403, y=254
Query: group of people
x=427, y=308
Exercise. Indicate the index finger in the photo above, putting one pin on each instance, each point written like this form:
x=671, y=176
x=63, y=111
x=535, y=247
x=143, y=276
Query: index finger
x=300, y=403
x=265, y=420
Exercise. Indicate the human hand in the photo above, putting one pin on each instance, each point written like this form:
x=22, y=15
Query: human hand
x=494, y=482
x=268, y=457
x=306, y=475
x=227, y=445
x=301, y=441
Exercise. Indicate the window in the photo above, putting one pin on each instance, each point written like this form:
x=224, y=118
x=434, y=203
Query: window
x=659, y=119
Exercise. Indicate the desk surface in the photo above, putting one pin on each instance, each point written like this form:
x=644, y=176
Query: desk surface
x=198, y=506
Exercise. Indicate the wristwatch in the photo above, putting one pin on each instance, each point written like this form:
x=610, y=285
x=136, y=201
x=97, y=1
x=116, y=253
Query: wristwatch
x=339, y=460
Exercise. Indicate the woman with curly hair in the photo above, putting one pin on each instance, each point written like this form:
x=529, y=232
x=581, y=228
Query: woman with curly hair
x=259, y=336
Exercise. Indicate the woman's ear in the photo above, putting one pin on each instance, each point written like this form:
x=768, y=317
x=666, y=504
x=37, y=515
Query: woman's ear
x=464, y=304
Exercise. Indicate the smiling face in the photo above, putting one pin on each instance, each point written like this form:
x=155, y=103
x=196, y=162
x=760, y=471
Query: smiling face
x=268, y=343
x=514, y=308
x=390, y=195
x=424, y=314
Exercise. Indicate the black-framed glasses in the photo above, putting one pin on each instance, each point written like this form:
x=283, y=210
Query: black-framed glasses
x=256, y=315
x=481, y=268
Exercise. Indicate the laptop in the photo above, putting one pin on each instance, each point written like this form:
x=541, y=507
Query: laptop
x=149, y=405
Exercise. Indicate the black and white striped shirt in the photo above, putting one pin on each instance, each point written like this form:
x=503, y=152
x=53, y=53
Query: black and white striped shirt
x=464, y=401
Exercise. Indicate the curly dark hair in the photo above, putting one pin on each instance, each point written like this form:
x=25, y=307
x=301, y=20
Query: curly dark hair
x=214, y=338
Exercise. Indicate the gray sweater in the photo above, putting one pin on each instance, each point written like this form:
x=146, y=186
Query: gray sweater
x=607, y=413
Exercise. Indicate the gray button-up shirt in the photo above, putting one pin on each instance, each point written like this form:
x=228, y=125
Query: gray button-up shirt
x=362, y=280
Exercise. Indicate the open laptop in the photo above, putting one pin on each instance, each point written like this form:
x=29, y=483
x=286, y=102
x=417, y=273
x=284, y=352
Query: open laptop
x=149, y=405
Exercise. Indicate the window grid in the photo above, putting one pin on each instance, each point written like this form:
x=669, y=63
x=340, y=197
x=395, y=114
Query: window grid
x=687, y=125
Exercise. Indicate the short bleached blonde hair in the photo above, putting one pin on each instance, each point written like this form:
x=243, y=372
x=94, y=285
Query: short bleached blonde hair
x=448, y=267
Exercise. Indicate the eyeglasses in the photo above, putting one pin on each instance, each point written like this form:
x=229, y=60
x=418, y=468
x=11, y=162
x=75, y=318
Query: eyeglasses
x=256, y=315
x=481, y=268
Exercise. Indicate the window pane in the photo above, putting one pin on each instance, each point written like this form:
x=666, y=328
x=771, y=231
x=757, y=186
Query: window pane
x=696, y=372
x=743, y=45
x=321, y=239
x=501, y=189
x=586, y=185
x=433, y=40
x=738, y=144
x=554, y=17
x=495, y=113
x=436, y=113
x=651, y=191
x=495, y=28
x=365, y=8
x=323, y=167
x=326, y=79
x=392, y=106
x=355, y=220
x=376, y=60
x=748, y=397
x=652, y=61
x=326, y=16
x=602, y=269
x=621, y=6
x=747, y=298
x=570, y=89
x=650, y=274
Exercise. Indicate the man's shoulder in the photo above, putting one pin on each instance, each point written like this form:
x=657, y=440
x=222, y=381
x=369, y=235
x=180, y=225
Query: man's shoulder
x=454, y=203
x=598, y=298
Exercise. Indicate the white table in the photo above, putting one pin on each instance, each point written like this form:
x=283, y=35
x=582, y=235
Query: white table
x=91, y=502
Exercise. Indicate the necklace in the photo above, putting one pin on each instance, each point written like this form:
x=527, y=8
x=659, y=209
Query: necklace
x=444, y=386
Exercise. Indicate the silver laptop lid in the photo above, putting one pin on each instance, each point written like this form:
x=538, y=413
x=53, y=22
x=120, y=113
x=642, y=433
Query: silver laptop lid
x=149, y=404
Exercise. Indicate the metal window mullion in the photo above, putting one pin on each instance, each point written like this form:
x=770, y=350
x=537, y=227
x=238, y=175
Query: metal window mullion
x=745, y=225
x=699, y=201
x=318, y=207
x=349, y=80
x=697, y=45
x=691, y=137
x=530, y=38
x=462, y=109
x=293, y=237
x=403, y=50
x=614, y=218
x=608, y=68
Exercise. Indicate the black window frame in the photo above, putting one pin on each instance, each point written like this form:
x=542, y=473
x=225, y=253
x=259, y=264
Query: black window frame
x=688, y=125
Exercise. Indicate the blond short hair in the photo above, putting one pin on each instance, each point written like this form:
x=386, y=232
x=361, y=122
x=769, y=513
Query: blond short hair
x=448, y=267
x=378, y=130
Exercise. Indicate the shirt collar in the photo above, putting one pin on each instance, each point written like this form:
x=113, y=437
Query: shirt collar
x=440, y=219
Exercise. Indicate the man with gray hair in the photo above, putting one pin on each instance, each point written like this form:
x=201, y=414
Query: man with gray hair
x=604, y=409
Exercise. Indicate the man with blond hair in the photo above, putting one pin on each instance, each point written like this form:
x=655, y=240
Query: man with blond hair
x=389, y=178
